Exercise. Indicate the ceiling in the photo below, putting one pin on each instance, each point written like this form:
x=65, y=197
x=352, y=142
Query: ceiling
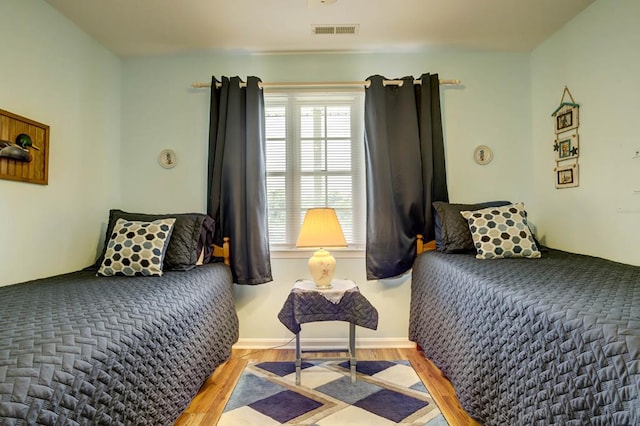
x=159, y=27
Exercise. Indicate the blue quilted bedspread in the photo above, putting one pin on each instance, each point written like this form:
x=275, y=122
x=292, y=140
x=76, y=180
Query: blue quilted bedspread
x=77, y=349
x=533, y=341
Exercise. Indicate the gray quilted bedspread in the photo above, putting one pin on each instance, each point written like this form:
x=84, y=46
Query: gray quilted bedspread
x=310, y=306
x=533, y=342
x=77, y=349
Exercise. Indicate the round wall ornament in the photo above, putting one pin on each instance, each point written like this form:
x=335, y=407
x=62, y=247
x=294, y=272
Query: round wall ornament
x=483, y=154
x=167, y=158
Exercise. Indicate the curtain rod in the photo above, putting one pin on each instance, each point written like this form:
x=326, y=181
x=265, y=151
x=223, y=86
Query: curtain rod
x=365, y=83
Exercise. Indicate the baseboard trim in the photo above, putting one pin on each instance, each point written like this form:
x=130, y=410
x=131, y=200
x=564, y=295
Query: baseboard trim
x=323, y=343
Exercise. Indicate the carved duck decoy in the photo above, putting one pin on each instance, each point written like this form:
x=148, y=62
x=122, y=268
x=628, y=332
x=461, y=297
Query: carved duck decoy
x=18, y=151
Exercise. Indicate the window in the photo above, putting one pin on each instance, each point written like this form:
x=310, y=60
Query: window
x=315, y=158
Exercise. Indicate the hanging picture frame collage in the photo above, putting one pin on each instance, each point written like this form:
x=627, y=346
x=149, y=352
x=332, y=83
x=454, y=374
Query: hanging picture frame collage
x=566, y=146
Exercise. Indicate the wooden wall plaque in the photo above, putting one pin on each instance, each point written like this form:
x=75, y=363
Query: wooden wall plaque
x=37, y=169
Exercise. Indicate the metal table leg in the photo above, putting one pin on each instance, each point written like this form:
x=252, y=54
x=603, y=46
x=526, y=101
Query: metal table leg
x=352, y=351
x=298, y=358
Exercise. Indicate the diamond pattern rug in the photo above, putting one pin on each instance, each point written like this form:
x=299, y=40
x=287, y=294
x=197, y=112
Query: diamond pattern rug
x=386, y=393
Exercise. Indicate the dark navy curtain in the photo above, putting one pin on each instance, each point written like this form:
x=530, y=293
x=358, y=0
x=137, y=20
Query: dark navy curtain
x=237, y=194
x=405, y=170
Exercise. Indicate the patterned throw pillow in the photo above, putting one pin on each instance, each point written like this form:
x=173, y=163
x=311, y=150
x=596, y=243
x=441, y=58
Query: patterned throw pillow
x=500, y=232
x=137, y=248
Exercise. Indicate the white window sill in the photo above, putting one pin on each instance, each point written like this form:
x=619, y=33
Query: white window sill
x=305, y=254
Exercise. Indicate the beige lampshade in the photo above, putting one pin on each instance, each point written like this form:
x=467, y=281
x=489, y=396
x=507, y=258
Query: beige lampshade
x=321, y=228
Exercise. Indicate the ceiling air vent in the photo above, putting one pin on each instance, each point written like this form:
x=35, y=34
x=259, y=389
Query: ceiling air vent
x=335, y=29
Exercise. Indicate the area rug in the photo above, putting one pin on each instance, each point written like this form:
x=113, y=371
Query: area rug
x=386, y=393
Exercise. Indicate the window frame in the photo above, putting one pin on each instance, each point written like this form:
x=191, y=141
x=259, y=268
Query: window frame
x=293, y=101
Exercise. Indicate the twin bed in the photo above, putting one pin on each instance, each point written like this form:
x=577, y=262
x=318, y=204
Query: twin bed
x=117, y=350
x=552, y=340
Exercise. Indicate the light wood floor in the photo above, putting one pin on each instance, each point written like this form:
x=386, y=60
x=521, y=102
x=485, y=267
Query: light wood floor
x=207, y=406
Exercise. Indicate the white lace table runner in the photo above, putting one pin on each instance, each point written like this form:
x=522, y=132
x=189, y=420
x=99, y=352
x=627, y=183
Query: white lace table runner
x=333, y=294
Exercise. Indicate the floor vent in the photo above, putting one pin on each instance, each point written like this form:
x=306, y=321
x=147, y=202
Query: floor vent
x=335, y=29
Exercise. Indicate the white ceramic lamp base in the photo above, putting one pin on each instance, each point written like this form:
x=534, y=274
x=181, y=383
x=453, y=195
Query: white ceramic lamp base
x=322, y=267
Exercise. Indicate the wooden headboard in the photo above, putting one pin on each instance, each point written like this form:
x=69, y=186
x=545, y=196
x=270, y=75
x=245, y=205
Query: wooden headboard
x=224, y=251
x=421, y=246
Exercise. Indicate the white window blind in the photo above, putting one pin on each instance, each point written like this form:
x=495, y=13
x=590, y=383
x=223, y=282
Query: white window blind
x=315, y=158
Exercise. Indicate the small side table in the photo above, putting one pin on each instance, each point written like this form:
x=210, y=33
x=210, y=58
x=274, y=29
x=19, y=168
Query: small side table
x=342, y=302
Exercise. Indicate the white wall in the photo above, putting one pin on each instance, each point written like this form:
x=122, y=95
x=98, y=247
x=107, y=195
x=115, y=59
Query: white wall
x=161, y=110
x=55, y=74
x=596, y=55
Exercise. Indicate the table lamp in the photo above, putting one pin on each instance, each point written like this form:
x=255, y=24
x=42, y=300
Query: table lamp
x=321, y=229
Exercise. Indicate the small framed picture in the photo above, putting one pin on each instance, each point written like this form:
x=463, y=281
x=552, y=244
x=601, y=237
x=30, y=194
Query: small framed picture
x=482, y=154
x=566, y=176
x=566, y=146
x=566, y=118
